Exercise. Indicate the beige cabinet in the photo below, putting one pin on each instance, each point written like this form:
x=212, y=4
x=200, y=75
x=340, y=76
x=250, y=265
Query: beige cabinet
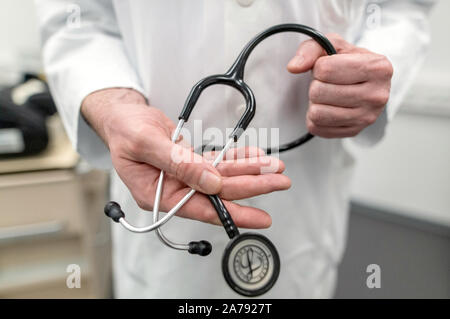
x=51, y=216
x=50, y=220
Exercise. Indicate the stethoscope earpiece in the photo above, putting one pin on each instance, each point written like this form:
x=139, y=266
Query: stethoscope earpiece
x=202, y=248
x=113, y=211
x=250, y=262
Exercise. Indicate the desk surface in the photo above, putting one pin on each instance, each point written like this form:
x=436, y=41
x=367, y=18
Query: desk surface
x=58, y=155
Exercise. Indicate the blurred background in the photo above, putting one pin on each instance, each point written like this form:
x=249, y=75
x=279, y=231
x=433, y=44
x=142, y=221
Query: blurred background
x=400, y=215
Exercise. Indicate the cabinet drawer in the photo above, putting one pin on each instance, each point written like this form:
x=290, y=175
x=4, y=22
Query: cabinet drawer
x=39, y=251
x=49, y=290
x=30, y=267
x=34, y=199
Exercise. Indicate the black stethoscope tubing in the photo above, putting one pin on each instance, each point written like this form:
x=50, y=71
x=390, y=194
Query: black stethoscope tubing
x=234, y=77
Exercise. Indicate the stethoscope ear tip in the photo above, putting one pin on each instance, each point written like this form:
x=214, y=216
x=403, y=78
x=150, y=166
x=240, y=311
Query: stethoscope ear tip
x=113, y=211
x=202, y=247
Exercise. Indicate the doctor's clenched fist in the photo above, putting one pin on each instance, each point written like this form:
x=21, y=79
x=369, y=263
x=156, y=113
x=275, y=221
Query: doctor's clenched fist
x=349, y=90
x=139, y=140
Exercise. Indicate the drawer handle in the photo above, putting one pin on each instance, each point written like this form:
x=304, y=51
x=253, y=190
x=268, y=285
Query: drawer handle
x=25, y=232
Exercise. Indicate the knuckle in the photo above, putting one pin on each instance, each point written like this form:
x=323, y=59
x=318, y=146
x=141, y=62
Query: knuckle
x=180, y=170
x=353, y=133
x=369, y=119
x=323, y=69
x=314, y=91
x=382, y=67
x=137, y=130
x=315, y=115
x=313, y=129
x=137, y=145
x=207, y=216
x=384, y=97
x=380, y=97
x=389, y=69
x=335, y=37
x=337, y=40
x=372, y=118
x=140, y=141
x=142, y=203
x=137, y=142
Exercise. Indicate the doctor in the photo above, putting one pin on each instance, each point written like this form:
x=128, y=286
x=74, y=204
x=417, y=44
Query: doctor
x=121, y=70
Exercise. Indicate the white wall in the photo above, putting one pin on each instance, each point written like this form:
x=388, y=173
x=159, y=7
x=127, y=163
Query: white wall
x=410, y=169
x=438, y=60
x=19, y=39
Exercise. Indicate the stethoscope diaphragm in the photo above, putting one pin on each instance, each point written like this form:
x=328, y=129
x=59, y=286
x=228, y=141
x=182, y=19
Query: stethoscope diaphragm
x=250, y=264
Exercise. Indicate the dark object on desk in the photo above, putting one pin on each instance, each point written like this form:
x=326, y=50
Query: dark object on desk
x=23, y=112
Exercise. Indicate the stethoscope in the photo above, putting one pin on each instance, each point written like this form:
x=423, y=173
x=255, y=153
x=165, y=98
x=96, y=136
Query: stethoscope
x=250, y=263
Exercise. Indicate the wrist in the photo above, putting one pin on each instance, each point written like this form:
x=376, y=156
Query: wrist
x=99, y=107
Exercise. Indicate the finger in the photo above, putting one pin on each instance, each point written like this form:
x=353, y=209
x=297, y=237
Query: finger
x=309, y=51
x=307, y=54
x=200, y=208
x=354, y=95
x=236, y=153
x=350, y=68
x=251, y=166
x=248, y=217
x=334, y=116
x=333, y=132
x=179, y=161
x=246, y=186
x=343, y=68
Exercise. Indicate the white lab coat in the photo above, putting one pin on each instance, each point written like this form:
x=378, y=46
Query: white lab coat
x=161, y=48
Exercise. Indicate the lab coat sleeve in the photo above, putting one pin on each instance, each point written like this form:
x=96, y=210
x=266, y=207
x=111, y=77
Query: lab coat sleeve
x=83, y=52
x=399, y=30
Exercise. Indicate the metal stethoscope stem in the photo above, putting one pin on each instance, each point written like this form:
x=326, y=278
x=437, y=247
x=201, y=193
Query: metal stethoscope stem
x=159, y=188
x=157, y=223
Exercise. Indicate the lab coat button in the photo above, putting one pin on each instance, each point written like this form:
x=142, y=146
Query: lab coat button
x=245, y=3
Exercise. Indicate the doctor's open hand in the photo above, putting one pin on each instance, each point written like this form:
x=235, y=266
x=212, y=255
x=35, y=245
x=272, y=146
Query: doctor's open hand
x=139, y=140
x=349, y=90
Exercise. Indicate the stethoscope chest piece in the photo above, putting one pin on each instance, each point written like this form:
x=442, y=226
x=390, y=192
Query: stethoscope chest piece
x=250, y=264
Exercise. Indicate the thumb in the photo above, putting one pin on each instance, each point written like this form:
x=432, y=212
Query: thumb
x=187, y=166
x=307, y=54
x=194, y=170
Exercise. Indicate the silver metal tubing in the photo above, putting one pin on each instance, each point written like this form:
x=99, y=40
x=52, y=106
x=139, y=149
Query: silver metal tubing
x=180, y=204
x=158, y=195
x=176, y=133
x=159, y=232
x=160, y=222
